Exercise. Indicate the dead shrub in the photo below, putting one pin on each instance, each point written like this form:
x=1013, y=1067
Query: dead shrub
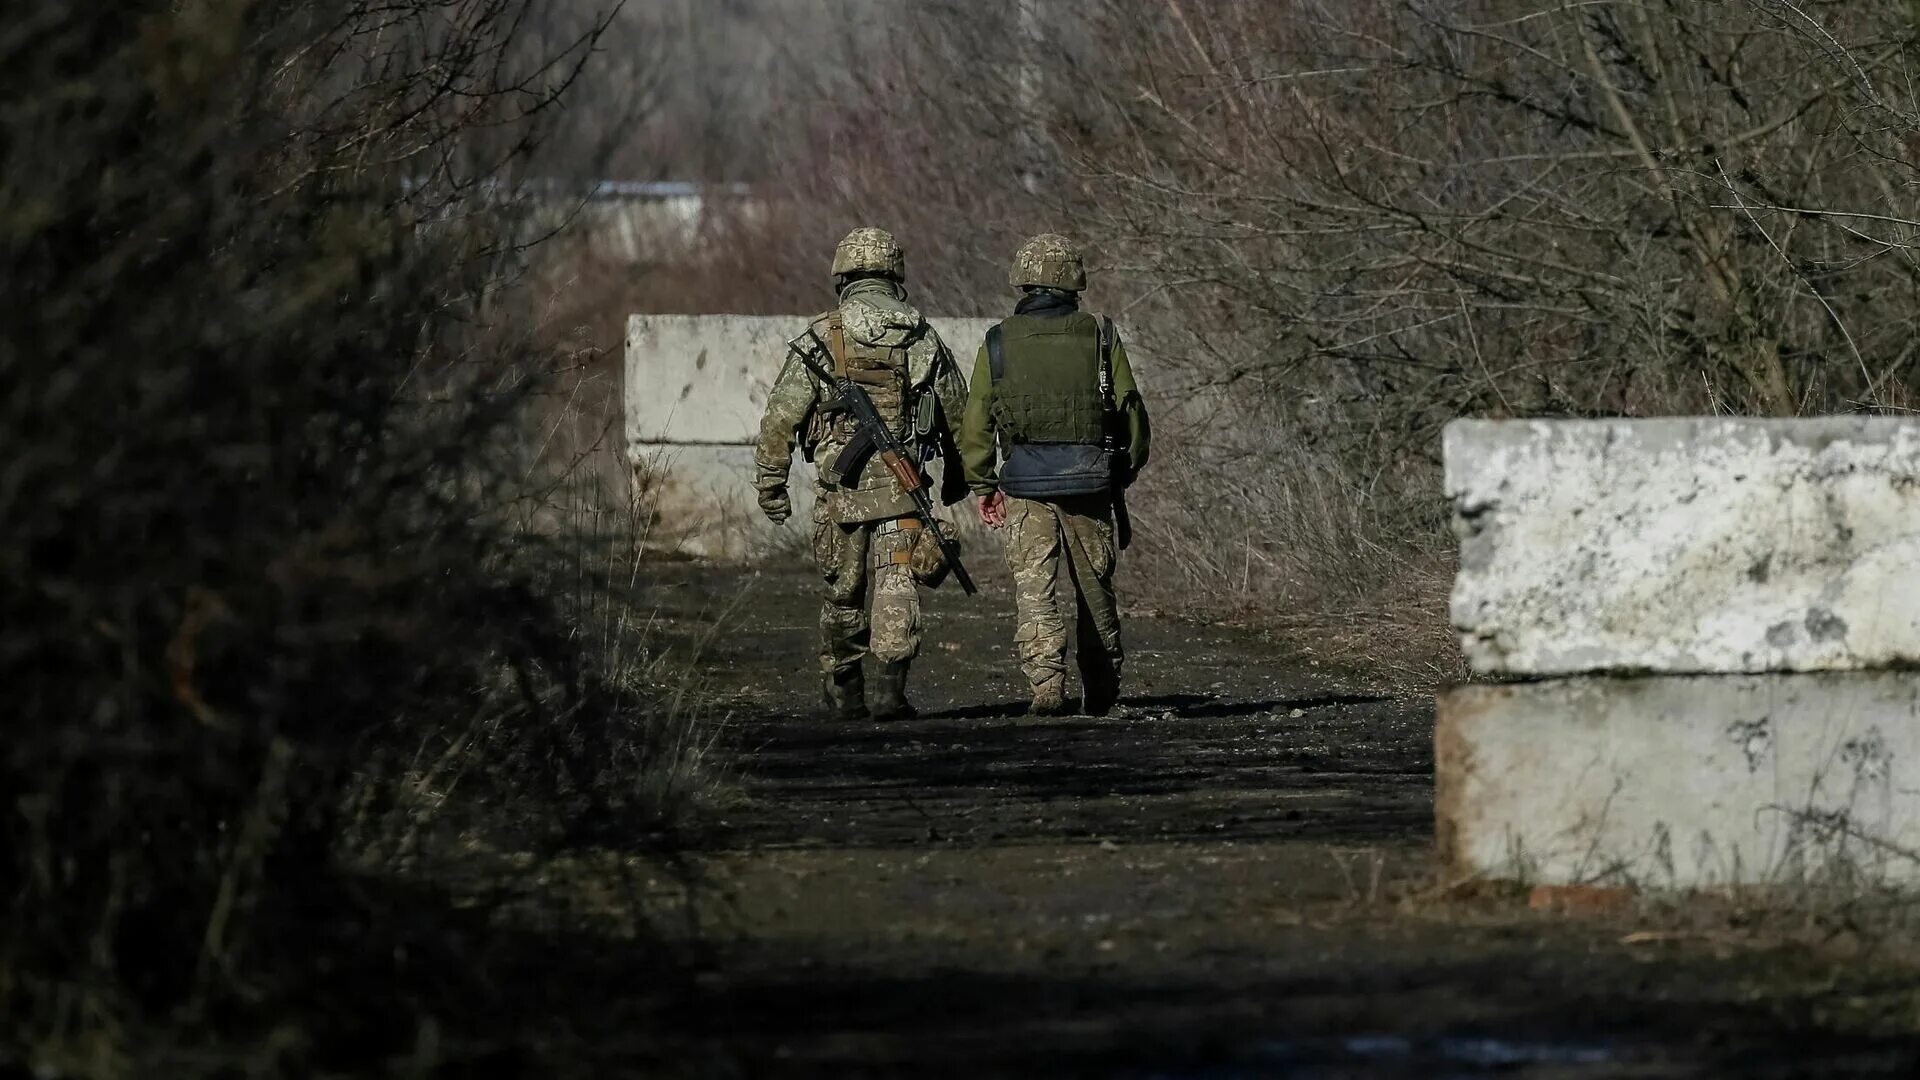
x=263, y=471
x=1354, y=222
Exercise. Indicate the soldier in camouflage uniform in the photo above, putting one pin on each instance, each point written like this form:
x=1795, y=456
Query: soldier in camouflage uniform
x=1035, y=438
x=864, y=529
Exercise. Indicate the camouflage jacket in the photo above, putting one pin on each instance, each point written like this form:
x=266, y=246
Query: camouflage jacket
x=877, y=322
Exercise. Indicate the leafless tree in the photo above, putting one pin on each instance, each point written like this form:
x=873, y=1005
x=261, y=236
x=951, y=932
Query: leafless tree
x=1334, y=226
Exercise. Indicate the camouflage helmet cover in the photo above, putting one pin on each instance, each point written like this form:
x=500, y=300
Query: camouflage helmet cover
x=870, y=251
x=1050, y=260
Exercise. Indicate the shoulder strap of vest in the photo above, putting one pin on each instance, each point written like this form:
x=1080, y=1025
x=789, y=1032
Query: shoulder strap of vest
x=837, y=344
x=996, y=353
x=1106, y=363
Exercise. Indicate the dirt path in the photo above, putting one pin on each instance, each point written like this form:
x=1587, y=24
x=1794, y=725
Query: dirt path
x=1224, y=879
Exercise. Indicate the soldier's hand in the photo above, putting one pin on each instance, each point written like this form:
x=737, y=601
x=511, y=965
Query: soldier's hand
x=775, y=504
x=993, y=509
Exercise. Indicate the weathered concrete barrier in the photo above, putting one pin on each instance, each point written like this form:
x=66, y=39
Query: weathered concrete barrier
x=700, y=500
x=703, y=379
x=1687, y=545
x=696, y=386
x=1742, y=601
x=1682, y=781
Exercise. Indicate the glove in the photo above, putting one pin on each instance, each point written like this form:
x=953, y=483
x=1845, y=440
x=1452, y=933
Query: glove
x=775, y=504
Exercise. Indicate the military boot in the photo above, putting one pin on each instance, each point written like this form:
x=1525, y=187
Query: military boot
x=1049, y=698
x=846, y=694
x=890, y=693
x=1099, y=691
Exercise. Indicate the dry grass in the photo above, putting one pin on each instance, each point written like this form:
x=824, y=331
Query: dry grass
x=1236, y=522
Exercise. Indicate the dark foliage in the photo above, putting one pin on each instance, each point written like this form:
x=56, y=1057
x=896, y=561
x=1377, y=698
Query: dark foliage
x=253, y=448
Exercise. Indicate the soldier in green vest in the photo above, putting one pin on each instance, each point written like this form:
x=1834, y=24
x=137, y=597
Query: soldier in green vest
x=865, y=532
x=1054, y=430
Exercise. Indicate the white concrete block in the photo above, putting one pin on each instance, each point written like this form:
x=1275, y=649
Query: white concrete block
x=1682, y=781
x=1696, y=545
x=703, y=379
x=700, y=501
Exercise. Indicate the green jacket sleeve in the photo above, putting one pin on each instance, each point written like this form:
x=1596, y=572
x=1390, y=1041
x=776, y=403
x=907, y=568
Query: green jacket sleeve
x=1126, y=396
x=792, y=397
x=976, y=429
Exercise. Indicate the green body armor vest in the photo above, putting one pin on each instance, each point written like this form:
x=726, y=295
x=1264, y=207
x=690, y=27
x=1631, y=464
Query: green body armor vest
x=1049, y=389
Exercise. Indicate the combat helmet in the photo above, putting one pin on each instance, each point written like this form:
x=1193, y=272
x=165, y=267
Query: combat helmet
x=1049, y=260
x=870, y=251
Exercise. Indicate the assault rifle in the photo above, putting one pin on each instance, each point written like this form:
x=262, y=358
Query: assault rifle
x=908, y=475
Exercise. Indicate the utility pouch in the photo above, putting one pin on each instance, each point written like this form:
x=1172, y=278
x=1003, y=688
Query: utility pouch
x=926, y=413
x=927, y=561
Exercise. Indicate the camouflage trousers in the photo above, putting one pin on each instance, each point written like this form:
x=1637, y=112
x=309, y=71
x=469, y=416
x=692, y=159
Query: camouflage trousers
x=1077, y=531
x=850, y=557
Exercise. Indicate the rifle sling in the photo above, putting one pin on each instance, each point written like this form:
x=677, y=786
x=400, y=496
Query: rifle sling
x=837, y=344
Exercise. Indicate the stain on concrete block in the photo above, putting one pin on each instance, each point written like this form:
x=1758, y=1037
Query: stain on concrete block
x=1683, y=546
x=1680, y=781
